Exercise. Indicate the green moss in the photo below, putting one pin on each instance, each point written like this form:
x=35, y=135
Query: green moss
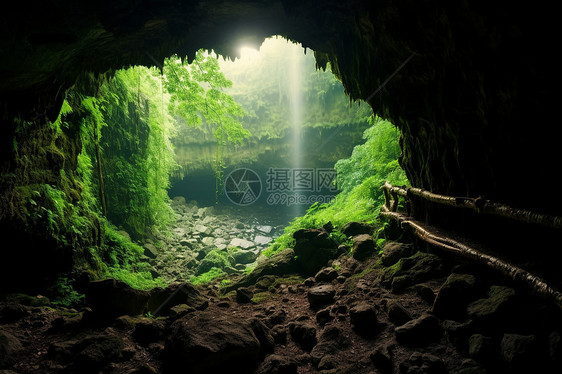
x=260, y=297
x=215, y=259
x=208, y=276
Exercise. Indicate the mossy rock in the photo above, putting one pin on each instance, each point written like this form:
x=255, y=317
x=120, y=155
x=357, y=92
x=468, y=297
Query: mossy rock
x=215, y=259
x=412, y=270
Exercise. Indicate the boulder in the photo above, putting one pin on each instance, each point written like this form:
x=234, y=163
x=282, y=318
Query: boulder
x=215, y=342
x=412, y=270
x=454, y=296
x=92, y=353
x=162, y=300
x=496, y=310
x=262, y=240
x=276, y=364
x=423, y=363
x=363, y=317
x=321, y=295
x=113, y=298
x=264, y=228
x=521, y=353
x=10, y=349
x=394, y=251
x=244, y=295
x=244, y=257
x=382, y=357
x=314, y=248
x=420, y=331
x=242, y=243
x=327, y=274
x=481, y=348
x=357, y=228
x=304, y=334
x=331, y=341
x=363, y=246
x=397, y=314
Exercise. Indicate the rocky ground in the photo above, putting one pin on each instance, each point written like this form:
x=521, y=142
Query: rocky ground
x=199, y=230
x=314, y=308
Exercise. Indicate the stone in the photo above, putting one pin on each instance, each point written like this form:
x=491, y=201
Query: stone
x=10, y=349
x=425, y=293
x=202, y=230
x=481, y=348
x=303, y=334
x=277, y=364
x=326, y=274
x=148, y=331
x=324, y=316
x=397, y=314
x=314, y=248
x=520, y=352
x=363, y=246
x=382, y=357
x=150, y=250
x=363, y=318
x=94, y=352
x=458, y=333
x=162, y=300
x=244, y=257
x=309, y=282
x=264, y=228
x=455, y=295
x=113, y=298
x=331, y=340
x=242, y=243
x=213, y=342
x=394, y=251
x=495, y=310
x=244, y=295
x=322, y=295
x=412, y=270
x=423, y=363
x=209, y=241
x=262, y=240
x=279, y=333
x=357, y=228
x=420, y=331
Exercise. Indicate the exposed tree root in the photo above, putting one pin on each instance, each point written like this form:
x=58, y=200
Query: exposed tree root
x=479, y=205
x=517, y=274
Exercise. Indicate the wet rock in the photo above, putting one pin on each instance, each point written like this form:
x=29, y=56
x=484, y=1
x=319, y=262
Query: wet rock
x=397, y=314
x=363, y=317
x=412, y=270
x=331, y=341
x=214, y=342
x=262, y=240
x=420, y=331
x=324, y=316
x=326, y=274
x=304, y=334
x=113, y=298
x=363, y=246
x=313, y=248
x=454, y=296
x=321, y=295
x=244, y=295
x=357, y=228
x=495, y=310
x=264, y=228
x=10, y=349
x=242, y=243
x=277, y=364
x=423, y=363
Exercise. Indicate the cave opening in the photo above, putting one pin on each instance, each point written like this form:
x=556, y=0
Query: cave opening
x=469, y=90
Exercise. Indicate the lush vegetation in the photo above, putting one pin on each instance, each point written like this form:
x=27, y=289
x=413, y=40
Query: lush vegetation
x=359, y=178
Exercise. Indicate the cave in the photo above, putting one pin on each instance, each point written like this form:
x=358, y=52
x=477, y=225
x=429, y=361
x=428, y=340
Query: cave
x=470, y=85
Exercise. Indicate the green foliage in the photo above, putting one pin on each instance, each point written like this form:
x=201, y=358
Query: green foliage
x=207, y=276
x=64, y=294
x=359, y=178
x=215, y=259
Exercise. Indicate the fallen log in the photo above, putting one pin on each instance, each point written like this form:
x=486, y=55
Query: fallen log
x=517, y=274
